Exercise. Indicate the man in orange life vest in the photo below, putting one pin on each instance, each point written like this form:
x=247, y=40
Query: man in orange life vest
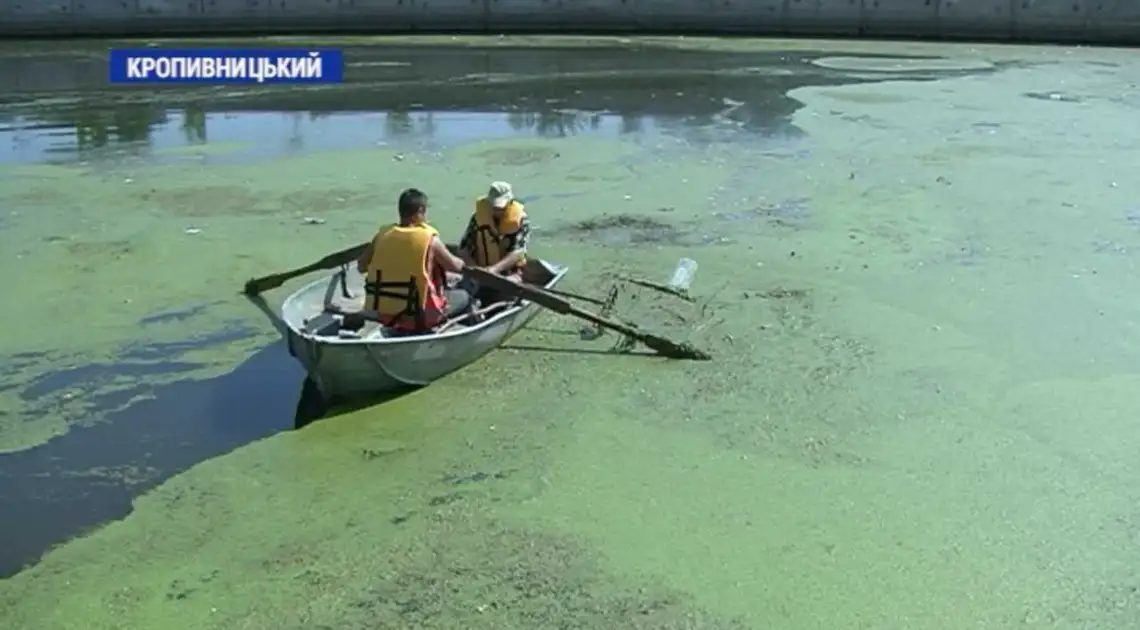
x=405, y=269
x=498, y=233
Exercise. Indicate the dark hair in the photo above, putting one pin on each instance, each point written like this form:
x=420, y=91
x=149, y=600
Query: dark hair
x=412, y=201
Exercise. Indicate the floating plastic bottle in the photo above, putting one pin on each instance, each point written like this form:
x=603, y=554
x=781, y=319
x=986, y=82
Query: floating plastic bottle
x=683, y=275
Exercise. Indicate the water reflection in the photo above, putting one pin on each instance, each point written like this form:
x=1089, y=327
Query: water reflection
x=556, y=123
x=97, y=134
x=194, y=124
x=97, y=128
x=436, y=95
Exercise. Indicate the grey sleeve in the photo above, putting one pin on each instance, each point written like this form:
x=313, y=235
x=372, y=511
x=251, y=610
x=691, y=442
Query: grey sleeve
x=467, y=243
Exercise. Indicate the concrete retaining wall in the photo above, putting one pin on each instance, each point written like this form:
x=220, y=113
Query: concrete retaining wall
x=1103, y=21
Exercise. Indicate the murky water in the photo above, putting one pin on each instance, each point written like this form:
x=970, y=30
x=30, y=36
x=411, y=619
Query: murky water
x=914, y=277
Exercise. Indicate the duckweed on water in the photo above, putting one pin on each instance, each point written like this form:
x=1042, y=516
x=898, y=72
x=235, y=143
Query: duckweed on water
x=126, y=233
x=921, y=415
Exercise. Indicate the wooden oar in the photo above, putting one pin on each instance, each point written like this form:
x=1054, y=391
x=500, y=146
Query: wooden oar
x=257, y=286
x=575, y=296
x=332, y=261
x=473, y=314
x=548, y=300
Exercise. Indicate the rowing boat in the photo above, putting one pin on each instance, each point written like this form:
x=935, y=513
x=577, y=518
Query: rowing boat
x=373, y=361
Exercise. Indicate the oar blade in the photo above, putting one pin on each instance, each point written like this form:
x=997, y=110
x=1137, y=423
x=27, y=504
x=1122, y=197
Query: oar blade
x=545, y=299
x=257, y=286
x=672, y=349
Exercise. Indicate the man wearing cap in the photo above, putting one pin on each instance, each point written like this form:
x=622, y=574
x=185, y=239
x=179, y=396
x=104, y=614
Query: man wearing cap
x=497, y=234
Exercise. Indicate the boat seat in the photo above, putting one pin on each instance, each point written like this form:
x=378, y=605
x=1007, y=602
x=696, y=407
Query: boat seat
x=336, y=322
x=324, y=325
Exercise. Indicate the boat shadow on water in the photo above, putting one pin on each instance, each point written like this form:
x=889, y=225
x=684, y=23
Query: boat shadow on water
x=312, y=406
x=552, y=349
x=147, y=433
x=138, y=436
x=619, y=349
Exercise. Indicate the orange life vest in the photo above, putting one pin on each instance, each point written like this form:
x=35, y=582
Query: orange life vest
x=403, y=283
x=491, y=237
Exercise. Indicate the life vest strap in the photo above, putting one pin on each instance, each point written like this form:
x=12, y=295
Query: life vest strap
x=489, y=236
x=411, y=296
x=396, y=295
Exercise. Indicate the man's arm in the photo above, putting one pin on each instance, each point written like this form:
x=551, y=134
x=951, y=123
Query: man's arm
x=467, y=243
x=366, y=257
x=444, y=258
x=516, y=248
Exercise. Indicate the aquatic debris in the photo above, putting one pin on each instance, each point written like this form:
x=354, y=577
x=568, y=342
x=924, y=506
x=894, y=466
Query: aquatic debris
x=370, y=454
x=789, y=213
x=627, y=229
x=444, y=499
x=638, y=230
x=780, y=293
x=518, y=156
x=589, y=333
x=1053, y=96
x=115, y=250
x=314, y=221
x=476, y=477
x=1109, y=247
x=627, y=221
x=682, y=278
x=969, y=253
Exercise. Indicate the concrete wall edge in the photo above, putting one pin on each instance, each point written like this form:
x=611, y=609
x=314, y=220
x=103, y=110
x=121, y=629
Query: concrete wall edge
x=1112, y=22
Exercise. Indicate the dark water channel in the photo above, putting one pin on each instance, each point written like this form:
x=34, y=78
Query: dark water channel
x=141, y=433
x=57, y=108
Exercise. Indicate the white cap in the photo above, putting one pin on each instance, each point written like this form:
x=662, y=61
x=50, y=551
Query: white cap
x=500, y=195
